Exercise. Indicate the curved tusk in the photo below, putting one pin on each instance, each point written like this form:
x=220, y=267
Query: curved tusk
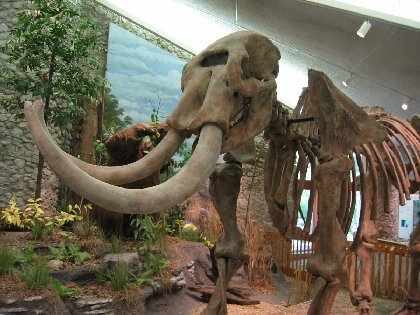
x=122, y=200
x=125, y=174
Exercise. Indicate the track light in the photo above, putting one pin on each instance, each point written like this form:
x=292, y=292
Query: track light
x=364, y=29
x=404, y=106
x=346, y=82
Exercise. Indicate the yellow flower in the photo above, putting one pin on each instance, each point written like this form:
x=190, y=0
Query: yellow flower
x=189, y=227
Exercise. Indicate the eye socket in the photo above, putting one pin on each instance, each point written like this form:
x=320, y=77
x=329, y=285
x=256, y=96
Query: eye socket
x=276, y=70
x=215, y=59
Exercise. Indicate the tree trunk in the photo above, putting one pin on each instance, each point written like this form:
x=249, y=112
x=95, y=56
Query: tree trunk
x=40, y=167
x=89, y=132
x=47, y=107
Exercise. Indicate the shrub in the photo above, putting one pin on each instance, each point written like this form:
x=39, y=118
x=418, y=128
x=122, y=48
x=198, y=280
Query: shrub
x=116, y=246
x=33, y=218
x=37, y=275
x=190, y=232
x=62, y=291
x=119, y=277
x=147, y=231
x=26, y=256
x=70, y=252
x=7, y=260
x=174, y=220
x=39, y=230
x=154, y=262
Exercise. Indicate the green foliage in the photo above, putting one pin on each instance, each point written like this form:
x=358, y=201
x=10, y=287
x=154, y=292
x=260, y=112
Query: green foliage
x=119, y=277
x=146, y=230
x=36, y=275
x=55, y=46
x=174, y=220
x=114, y=117
x=71, y=253
x=62, y=291
x=39, y=231
x=101, y=154
x=185, y=153
x=190, y=232
x=116, y=246
x=155, y=115
x=114, y=120
x=8, y=260
x=26, y=255
x=180, y=158
x=153, y=262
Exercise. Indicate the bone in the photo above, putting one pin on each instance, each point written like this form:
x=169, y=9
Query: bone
x=132, y=201
x=328, y=262
x=365, y=240
x=224, y=188
x=121, y=175
x=393, y=171
x=385, y=176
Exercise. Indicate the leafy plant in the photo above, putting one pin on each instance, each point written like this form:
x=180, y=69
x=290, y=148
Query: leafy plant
x=190, y=232
x=37, y=275
x=7, y=260
x=154, y=262
x=147, y=231
x=39, y=231
x=62, y=291
x=53, y=40
x=26, y=255
x=71, y=253
x=12, y=214
x=174, y=220
x=33, y=218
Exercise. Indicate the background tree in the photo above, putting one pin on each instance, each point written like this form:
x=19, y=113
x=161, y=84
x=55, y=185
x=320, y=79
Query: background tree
x=52, y=53
x=115, y=118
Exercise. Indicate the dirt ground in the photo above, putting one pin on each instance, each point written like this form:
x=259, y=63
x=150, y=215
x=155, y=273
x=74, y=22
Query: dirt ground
x=342, y=306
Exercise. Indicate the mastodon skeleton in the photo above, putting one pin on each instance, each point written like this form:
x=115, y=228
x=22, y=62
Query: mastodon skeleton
x=336, y=144
x=229, y=97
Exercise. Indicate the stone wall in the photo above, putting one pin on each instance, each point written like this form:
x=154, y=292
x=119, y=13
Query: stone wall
x=18, y=154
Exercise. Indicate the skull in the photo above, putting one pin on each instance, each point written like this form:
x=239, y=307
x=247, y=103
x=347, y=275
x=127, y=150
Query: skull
x=230, y=84
x=228, y=94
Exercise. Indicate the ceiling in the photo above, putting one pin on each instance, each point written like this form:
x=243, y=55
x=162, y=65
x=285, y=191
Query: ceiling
x=384, y=67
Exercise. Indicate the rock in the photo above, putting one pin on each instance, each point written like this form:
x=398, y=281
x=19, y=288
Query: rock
x=20, y=164
x=92, y=300
x=55, y=264
x=132, y=260
x=33, y=298
x=81, y=275
x=178, y=282
x=7, y=300
x=13, y=310
x=104, y=311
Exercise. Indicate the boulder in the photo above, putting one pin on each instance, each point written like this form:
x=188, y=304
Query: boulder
x=132, y=260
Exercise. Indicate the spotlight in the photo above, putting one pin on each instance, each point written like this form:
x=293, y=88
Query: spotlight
x=364, y=29
x=347, y=81
x=404, y=106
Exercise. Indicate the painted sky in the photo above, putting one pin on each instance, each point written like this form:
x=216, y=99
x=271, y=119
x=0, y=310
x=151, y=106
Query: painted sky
x=142, y=76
